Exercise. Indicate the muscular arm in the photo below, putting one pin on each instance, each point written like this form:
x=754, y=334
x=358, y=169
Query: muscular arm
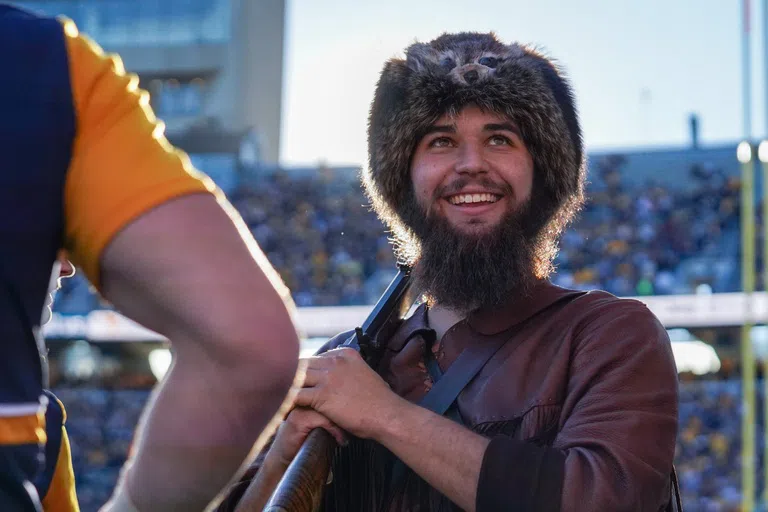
x=159, y=242
x=260, y=480
x=183, y=270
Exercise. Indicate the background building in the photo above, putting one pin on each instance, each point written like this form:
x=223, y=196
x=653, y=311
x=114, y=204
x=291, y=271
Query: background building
x=214, y=69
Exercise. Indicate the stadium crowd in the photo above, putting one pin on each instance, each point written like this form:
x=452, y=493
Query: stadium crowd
x=652, y=240
x=709, y=445
x=331, y=250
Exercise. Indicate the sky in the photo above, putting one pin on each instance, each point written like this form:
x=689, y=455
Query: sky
x=639, y=67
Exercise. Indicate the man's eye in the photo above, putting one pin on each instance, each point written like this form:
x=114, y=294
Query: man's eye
x=499, y=140
x=440, y=142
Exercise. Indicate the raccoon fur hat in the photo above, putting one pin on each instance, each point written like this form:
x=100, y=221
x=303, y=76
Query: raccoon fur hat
x=456, y=70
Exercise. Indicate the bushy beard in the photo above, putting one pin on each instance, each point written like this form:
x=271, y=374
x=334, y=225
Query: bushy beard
x=468, y=271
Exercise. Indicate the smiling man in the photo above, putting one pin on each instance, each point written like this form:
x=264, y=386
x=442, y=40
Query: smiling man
x=565, y=400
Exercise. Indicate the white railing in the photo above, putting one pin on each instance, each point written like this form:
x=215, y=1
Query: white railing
x=722, y=309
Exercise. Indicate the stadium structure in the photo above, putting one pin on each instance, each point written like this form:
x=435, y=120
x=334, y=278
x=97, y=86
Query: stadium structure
x=196, y=58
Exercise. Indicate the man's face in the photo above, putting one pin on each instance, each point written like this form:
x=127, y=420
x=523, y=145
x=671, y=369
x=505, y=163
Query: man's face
x=473, y=227
x=472, y=170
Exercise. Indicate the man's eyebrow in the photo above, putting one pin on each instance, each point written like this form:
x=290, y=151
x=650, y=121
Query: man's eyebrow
x=509, y=127
x=440, y=128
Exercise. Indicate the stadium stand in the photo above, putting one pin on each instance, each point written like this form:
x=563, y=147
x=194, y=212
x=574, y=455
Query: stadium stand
x=649, y=238
x=657, y=234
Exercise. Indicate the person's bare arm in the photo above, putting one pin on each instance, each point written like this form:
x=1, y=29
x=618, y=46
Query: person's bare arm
x=184, y=270
x=259, y=481
x=157, y=239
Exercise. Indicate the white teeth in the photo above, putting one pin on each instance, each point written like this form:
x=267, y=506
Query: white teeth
x=473, y=198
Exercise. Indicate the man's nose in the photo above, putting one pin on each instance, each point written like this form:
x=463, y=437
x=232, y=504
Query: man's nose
x=470, y=160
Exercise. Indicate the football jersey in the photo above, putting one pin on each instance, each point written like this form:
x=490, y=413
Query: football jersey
x=81, y=156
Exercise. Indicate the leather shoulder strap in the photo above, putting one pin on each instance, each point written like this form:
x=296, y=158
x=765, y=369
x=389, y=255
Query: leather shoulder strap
x=446, y=390
x=469, y=363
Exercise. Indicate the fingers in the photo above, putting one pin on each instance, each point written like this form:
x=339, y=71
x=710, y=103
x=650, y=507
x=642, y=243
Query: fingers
x=305, y=397
x=328, y=359
x=313, y=377
x=337, y=433
x=306, y=420
x=311, y=362
x=345, y=353
x=309, y=371
x=314, y=369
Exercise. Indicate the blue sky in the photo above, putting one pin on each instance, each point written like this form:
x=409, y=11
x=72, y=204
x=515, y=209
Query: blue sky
x=639, y=67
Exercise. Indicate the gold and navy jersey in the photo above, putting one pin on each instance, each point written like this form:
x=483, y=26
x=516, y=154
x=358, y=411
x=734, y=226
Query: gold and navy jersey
x=81, y=156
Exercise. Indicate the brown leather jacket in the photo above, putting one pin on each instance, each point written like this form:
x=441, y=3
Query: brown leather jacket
x=580, y=402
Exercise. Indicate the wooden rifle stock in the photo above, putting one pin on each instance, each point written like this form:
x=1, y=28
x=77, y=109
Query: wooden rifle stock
x=301, y=488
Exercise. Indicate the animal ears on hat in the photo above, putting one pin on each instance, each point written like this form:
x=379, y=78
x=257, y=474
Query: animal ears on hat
x=415, y=56
x=450, y=50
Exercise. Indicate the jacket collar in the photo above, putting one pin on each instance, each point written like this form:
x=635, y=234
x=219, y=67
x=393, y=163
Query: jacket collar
x=411, y=326
x=488, y=321
x=518, y=308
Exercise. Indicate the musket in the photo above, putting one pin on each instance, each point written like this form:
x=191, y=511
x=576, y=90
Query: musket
x=301, y=488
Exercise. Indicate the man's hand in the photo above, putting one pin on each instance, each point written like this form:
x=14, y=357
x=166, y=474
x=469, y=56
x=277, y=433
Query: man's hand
x=295, y=429
x=289, y=438
x=342, y=387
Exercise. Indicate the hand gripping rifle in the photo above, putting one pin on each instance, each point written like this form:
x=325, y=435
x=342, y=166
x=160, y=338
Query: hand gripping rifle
x=301, y=488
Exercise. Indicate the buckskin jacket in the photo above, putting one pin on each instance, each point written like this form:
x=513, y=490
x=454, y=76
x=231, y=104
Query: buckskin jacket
x=580, y=404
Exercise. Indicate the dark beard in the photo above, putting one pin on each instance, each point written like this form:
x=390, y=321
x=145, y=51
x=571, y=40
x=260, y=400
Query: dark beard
x=465, y=272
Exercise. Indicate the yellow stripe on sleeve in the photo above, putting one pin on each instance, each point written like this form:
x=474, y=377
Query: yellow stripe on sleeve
x=28, y=429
